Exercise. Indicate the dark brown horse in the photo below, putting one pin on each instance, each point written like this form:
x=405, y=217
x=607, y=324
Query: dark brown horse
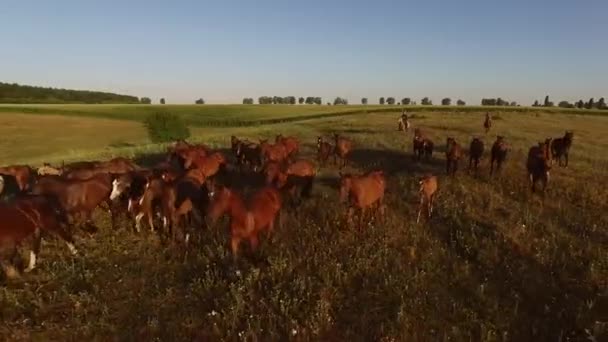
x=343, y=149
x=298, y=175
x=538, y=165
x=247, y=219
x=560, y=148
x=423, y=147
x=26, y=216
x=249, y=154
x=499, y=154
x=185, y=196
x=476, y=149
x=453, y=154
x=21, y=173
x=363, y=192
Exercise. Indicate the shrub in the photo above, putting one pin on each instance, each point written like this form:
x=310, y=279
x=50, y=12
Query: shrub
x=165, y=127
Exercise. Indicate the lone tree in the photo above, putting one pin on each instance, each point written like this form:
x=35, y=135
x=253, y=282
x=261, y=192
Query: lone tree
x=301, y=100
x=247, y=101
x=601, y=104
x=145, y=100
x=426, y=102
x=318, y=100
x=390, y=100
x=590, y=104
x=536, y=104
x=200, y=101
x=580, y=104
x=364, y=101
x=162, y=100
x=406, y=101
x=165, y=127
x=547, y=102
x=461, y=103
x=446, y=102
x=382, y=100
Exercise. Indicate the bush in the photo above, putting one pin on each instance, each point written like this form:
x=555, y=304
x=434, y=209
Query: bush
x=166, y=127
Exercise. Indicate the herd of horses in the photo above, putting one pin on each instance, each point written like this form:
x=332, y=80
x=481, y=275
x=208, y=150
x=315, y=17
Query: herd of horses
x=192, y=187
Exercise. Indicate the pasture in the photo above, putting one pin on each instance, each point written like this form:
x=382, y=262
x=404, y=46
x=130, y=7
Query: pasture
x=495, y=262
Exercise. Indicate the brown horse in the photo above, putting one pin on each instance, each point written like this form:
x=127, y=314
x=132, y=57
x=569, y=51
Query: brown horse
x=538, y=165
x=78, y=197
x=272, y=152
x=323, y=150
x=428, y=188
x=115, y=166
x=26, y=216
x=560, y=148
x=292, y=176
x=208, y=165
x=292, y=144
x=184, y=154
x=342, y=150
x=487, y=123
x=22, y=174
x=363, y=192
x=476, y=149
x=499, y=154
x=453, y=154
x=247, y=219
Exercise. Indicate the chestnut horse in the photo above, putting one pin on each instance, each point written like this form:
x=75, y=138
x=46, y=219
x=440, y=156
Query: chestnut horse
x=428, y=188
x=323, y=150
x=272, y=152
x=247, y=219
x=343, y=149
x=487, y=123
x=209, y=165
x=78, y=197
x=363, y=192
x=453, y=154
x=292, y=144
x=29, y=215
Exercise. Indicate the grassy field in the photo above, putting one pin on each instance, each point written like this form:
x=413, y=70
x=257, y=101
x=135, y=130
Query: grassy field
x=495, y=263
x=247, y=115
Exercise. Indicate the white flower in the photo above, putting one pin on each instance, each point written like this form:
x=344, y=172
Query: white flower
x=238, y=273
x=213, y=313
x=294, y=332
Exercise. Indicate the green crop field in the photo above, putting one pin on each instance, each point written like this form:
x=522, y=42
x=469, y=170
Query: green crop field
x=495, y=263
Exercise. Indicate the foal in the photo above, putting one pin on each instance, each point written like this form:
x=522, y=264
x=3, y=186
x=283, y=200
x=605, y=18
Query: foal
x=428, y=188
x=247, y=219
x=453, y=154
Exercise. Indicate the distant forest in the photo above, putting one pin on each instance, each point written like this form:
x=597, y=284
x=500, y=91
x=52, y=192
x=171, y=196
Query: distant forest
x=15, y=93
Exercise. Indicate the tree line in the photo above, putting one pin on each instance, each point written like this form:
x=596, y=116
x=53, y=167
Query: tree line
x=580, y=104
x=16, y=93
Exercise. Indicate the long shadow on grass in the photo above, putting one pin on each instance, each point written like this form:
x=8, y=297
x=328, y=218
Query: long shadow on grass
x=547, y=303
x=394, y=162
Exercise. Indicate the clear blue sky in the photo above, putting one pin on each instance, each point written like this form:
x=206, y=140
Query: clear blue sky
x=226, y=50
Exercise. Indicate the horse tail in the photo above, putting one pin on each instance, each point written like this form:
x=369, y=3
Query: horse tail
x=249, y=222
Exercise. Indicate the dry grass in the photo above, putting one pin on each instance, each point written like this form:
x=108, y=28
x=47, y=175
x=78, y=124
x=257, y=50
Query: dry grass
x=494, y=264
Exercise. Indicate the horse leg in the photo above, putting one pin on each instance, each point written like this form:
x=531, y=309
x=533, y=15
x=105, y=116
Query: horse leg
x=455, y=167
x=566, y=159
x=35, y=251
x=150, y=220
x=138, y=219
x=234, y=245
x=362, y=213
x=67, y=237
x=112, y=214
x=349, y=216
x=253, y=242
x=430, y=205
x=420, y=208
x=9, y=269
